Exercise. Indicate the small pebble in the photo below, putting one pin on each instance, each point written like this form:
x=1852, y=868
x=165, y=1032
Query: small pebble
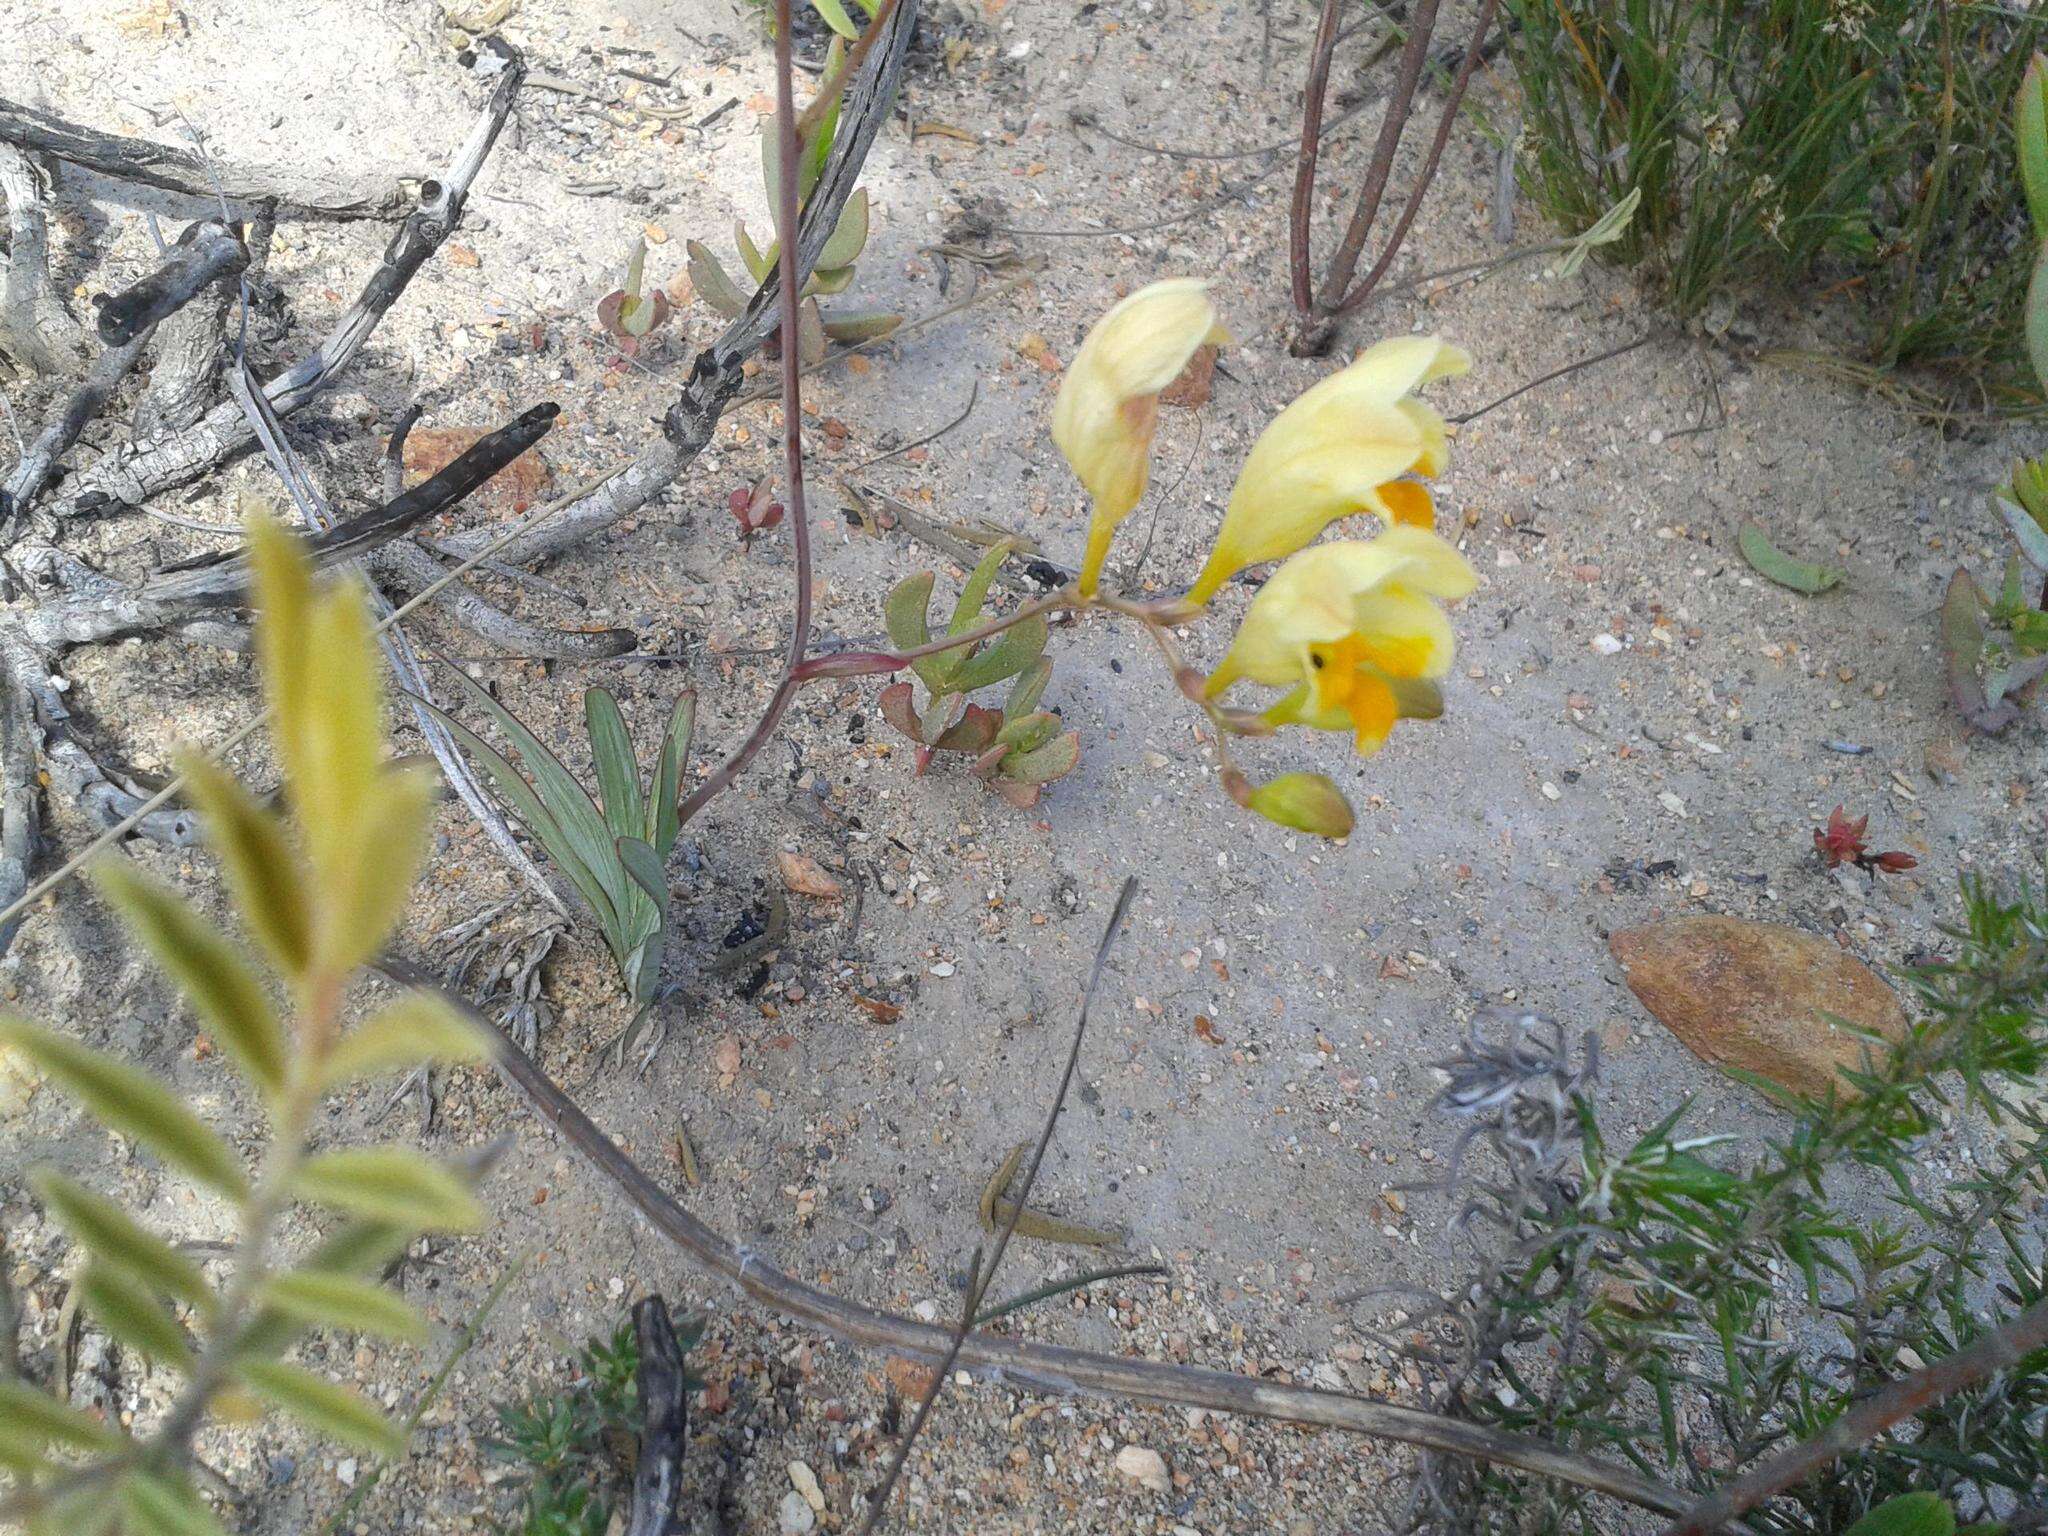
x=795, y=1516
x=1606, y=644
x=1144, y=1466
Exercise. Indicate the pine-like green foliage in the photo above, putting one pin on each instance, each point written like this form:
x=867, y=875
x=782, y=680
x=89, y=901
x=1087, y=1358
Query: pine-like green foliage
x=319, y=889
x=1693, y=1309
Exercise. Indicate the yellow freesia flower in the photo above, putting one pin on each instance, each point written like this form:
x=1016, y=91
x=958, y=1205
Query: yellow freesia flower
x=1108, y=404
x=1338, y=450
x=1355, y=631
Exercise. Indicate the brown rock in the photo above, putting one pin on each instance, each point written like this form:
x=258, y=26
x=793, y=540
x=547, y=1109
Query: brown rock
x=1758, y=996
x=519, y=485
x=911, y=1379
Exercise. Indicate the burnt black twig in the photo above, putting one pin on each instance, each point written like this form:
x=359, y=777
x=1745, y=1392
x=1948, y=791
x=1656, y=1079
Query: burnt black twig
x=664, y=1420
x=205, y=253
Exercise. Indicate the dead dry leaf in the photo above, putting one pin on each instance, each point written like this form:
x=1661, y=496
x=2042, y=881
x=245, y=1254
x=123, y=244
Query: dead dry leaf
x=805, y=876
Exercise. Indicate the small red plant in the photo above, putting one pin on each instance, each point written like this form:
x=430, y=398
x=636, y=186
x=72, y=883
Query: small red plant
x=1841, y=842
x=752, y=509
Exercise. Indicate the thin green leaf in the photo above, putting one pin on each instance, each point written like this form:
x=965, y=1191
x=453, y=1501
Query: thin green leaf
x=324, y=1300
x=418, y=1028
x=132, y=1315
x=2037, y=317
x=757, y=262
x=111, y=1235
x=2030, y=129
x=858, y=325
x=31, y=1419
x=520, y=796
x=668, y=775
x=1772, y=564
x=158, y=1504
x=353, y=1248
x=1028, y=689
x=205, y=966
x=618, y=769
x=131, y=1102
x=264, y=871
x=390, y=1184
x=645, y=868
x=581, y=823
x=974, y=595
x=335, y=1411
x=830, y=280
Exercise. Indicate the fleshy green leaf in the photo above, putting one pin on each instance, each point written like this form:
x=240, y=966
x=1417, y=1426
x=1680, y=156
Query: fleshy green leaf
x=1029, y=732
x=324, y=1300
x=31, y=1420
x=206, y=968
x=829, y=280
x=127, y=1309
x=2030, y=126
x=112, y=1236
x=419, y=1027
x=714, y=286
x=1909, y=1514
x=618, y=769
x=1007, y=655
x=335, y=1411
x=758, y=265
x=857, y=325
x=1054, y=760
x=390, y=1184
x=645, y=868
x=2037, y=317
x=161, y=1505
x=849, y=236
x=974, y=595
x=836, y=18
x=668, y=775
x=1773, y=565
x=903, y=614
x=131, y=1102
x=1308, y=802
x=1028, y=689
x=264, y=871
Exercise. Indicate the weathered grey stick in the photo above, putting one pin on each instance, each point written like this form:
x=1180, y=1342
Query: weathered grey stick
x=664, y=1420
x=36, y=331
x=716, y=377
x=168, y=460
x=174, y=169
x=184, y=376
x=86, y=402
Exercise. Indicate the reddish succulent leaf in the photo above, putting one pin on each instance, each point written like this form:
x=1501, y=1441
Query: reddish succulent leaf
x=989, y=761
x=1023, y=796
x=896, y=709
x=972, y=732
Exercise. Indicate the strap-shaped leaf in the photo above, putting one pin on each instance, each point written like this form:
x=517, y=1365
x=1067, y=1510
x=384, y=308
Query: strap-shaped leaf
x=852, y=325
x=516, y=792
x=581, y=823
x=2036, y=320
x=974, y=596
x=390, y=1184
x=2031, y=537
x=335, y=1411
x=1028, y=689
x=850, y=235
x=31, y=1420
x=668, y=775
x=757, y=262
x=112, y=1236
x=332, y=782
x=132, y=1315
x=419, y=1027
x=713, y=284
x=836, y=17
x=366, y=893
x=206, y=968
x=324, y=1300
x=131, y=1102
x=283, y=582
x=2030, y=125
x=618, y=770
x=161, y=1504
x=264, y=871
x=645, y=868
x=829, y=280
x=1005, y=656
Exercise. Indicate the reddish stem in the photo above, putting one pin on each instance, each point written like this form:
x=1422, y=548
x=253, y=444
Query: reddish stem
x=1303, y=207
x=792, y=437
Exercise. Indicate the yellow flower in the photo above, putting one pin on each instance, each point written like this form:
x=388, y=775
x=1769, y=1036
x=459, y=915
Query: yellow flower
x=1109, y=401
x=1338, y=450
x=1355, y=631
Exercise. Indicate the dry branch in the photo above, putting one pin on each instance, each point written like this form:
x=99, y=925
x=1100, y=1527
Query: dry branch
x=205, y=252
x=664, y=1420
x=1018, y=1361
x=184, y=376
x=36, y=331
x=173, y=169
x=170, y=459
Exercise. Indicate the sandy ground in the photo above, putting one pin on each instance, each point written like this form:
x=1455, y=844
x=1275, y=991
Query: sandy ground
x=1258, y=1160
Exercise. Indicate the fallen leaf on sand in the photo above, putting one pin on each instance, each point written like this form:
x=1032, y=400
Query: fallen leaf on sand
x=1759, y=997
x=1191, y=389
x=725, y=1059
x=1205, y=1030
x=909, y=1378
x=884, y=1012
x=520, y=484
x=805, y=876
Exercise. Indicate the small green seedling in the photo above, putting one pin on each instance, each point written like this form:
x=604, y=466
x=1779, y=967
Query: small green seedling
x=835, y=269
x=613, y=854
x=1017, y=749
x=628, y=312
